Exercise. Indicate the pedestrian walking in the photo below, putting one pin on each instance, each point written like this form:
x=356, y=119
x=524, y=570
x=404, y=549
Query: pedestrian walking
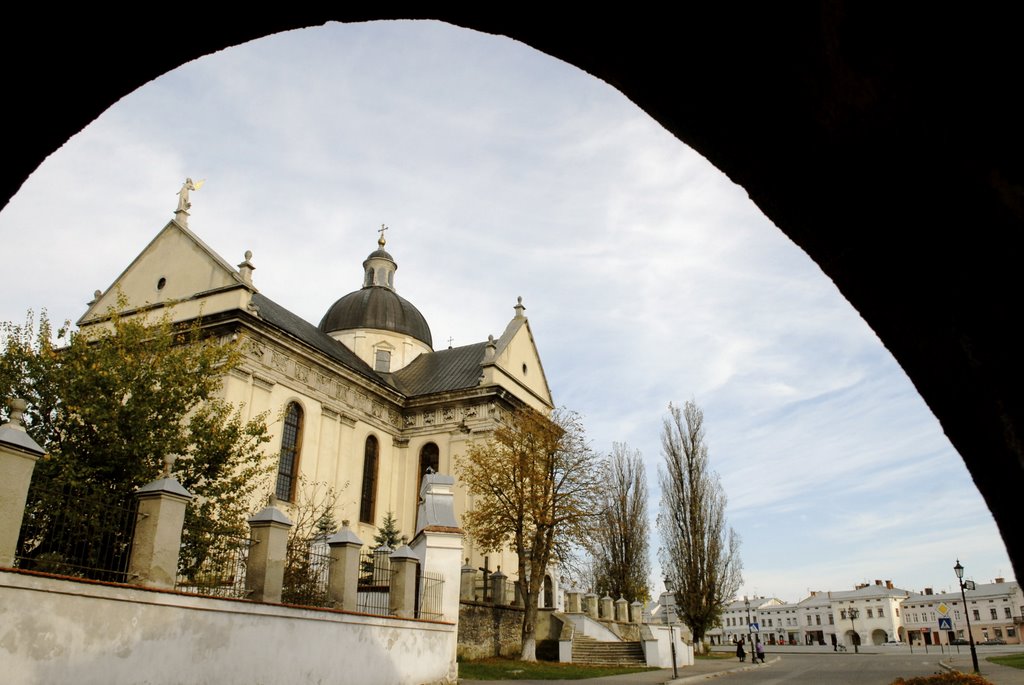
x=740, y=652
x=759, y=651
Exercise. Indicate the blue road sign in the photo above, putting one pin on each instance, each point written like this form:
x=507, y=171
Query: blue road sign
x=755, y=627
x=945, y=624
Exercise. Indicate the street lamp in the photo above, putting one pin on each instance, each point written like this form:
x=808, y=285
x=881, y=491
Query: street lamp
x=854, y=613
x=959, y=570
x=750, y=636
x=670, y=588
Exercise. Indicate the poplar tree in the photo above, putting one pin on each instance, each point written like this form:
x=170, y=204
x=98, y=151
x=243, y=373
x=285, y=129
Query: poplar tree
x=699, y=553
x=620, y=545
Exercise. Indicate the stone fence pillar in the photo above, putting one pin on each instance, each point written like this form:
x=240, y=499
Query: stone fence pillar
x=498, y=588
x=264, y=568
x=590, y=604
x=636, y=612
x=607, y=606
x=402, y=592
x=574, y=602
x=343, y=578
x=157, y=540
x=467, y=583
x=621, y=610
x=18, y=456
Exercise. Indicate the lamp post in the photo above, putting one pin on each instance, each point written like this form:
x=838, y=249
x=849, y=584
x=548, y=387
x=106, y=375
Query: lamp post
x=750, y=637
x=854, y=613
x=959, y=570
x=670, y=588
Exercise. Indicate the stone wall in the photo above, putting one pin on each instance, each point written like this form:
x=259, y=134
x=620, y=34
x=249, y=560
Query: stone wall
x=486, y=630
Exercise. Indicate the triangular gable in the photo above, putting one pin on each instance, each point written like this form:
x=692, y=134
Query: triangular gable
x=175, y=267
x=516, y=355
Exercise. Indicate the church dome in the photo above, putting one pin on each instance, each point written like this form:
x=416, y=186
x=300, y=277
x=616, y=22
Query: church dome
x=376, y=305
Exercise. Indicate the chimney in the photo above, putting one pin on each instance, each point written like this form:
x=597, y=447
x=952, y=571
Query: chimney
x=888, y=584
x=1000, y=580
x=927, y=591
x=878, y=582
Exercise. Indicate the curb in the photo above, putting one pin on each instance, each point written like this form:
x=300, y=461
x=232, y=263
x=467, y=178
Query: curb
x=715, y=674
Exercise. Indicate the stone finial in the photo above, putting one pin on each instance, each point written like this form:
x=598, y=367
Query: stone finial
x=491, y=347
x=169, y=460
x=17, y=415
x=246, y=268
x=519, y=308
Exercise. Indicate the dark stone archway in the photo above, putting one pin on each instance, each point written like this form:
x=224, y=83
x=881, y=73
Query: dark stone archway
x=885, y=141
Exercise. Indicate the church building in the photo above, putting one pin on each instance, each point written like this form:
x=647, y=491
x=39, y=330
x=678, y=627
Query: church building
x=361, y=402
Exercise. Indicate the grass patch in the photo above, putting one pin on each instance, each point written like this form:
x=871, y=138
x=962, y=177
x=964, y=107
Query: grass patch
x=1014, y=660
x=715, y=656
x=509, y=669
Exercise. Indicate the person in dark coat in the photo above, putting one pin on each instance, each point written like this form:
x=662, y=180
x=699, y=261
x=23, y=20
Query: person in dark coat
x=740, y=652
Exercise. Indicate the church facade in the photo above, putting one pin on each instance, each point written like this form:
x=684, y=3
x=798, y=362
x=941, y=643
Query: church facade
x=361, y=402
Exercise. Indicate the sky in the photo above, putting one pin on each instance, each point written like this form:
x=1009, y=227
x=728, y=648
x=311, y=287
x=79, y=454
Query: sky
x=647, y=275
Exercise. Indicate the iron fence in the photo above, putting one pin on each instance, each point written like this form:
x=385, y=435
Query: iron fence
x=430, y=590
x=221, y=570
x=76, y=530
x=373, y=593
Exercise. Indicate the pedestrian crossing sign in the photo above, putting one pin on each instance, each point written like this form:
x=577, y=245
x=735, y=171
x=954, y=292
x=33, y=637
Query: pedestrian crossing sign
x=945, y=623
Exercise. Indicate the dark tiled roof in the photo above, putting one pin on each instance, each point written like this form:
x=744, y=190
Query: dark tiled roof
x=275, y=314
x=456, y=368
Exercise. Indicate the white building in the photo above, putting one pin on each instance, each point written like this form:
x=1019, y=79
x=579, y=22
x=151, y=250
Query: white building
x=995, y=611
x=869, y=614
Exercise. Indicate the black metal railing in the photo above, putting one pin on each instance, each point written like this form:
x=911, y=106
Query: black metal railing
x=221, y=571
x=430, y=592
x=77, y=530
x=374, y=587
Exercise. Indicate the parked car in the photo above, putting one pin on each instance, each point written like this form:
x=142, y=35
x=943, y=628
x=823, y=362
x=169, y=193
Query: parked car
x=893, y=643
x=993, y=641
x=960, y=641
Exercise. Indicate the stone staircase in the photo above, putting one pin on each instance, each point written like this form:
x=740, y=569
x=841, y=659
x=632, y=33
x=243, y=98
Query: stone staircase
x=587, y=650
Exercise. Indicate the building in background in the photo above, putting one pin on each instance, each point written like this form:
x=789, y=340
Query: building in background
x=995, y=609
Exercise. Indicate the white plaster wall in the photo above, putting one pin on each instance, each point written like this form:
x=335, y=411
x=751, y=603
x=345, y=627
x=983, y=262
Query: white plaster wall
x=663, y=658
x=57, y=631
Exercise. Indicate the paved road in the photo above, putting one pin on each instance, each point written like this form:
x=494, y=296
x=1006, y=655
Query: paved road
x=868, y=668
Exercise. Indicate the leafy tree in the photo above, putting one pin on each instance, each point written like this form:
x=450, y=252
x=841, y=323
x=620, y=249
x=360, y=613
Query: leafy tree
x=388, y=533
x=307, y=560
x=699, y=554
x=535, y=483
x=113, y=403
x=619, y=546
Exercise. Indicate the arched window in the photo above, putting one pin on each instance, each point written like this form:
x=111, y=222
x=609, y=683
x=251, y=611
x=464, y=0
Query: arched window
x=291, y=444
x=366, y=506
x=429, y=459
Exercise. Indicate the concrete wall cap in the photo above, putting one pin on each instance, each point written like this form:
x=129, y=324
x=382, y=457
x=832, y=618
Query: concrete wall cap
x=345, y=536
x=17, y=438
x=404, y=552
x=271, y=515
x=170, y=486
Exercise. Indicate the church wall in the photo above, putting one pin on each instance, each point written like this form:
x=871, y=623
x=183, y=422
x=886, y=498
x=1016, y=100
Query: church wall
x=364, y=342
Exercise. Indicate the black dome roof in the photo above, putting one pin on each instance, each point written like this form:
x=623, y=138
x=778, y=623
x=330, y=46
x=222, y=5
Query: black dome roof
x=377, y=307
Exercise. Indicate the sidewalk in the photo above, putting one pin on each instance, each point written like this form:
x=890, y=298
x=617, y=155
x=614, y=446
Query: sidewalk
x=994, y=673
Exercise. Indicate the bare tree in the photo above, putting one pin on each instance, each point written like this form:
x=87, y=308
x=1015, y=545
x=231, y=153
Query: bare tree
x=698, y=554
x=535, y=484
x=620, y=544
